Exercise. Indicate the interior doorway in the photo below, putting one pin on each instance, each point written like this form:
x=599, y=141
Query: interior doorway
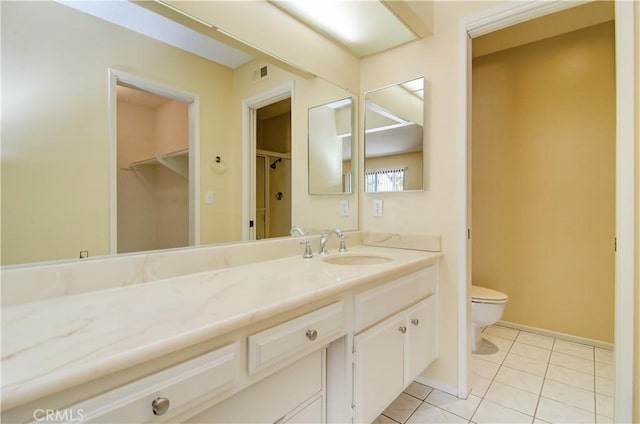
x=273, y=170
x=153, y=166
x=153, y=171
x=494, y=20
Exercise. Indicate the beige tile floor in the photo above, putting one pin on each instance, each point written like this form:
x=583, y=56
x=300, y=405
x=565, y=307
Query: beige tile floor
x=527, y=379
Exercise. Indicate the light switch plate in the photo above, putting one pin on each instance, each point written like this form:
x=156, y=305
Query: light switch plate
x=208, y=197
x=377, y=207
x=344, y=207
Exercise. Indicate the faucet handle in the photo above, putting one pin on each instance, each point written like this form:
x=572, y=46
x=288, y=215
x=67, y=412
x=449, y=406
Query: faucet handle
x=307, y=249
x=343, y=245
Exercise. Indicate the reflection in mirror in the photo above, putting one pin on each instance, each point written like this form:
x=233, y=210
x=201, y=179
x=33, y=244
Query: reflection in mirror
x=394, y=142
x=273, y=170
x=331, y=147
x=59, y=159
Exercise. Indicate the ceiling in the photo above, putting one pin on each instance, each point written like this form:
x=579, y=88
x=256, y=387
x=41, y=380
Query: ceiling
x=364, y=27
x=572, y=19
x=140, y=98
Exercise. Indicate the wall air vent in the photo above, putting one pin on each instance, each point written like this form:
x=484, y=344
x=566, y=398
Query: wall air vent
x=261, y=73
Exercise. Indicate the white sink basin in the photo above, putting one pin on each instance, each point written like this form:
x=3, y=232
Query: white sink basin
x=356, y=259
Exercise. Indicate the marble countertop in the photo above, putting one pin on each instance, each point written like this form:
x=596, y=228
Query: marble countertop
x=55, y=344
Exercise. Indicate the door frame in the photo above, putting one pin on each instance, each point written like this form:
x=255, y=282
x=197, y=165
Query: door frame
x=502, y=17
x=115, y=76
x=249, y=108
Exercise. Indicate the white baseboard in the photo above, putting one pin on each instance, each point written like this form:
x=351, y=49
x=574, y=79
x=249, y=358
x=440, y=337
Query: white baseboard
x=436, y=384
x=562, y=336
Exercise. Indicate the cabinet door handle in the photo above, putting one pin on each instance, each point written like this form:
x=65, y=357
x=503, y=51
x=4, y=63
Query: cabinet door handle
x=312, y=335
x=402, y=329
x=160, y=405
x=415, y=321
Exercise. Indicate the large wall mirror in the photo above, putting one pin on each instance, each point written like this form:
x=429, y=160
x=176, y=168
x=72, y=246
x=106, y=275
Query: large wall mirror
x=394, y=137
x=331, y=147
x=60, y=166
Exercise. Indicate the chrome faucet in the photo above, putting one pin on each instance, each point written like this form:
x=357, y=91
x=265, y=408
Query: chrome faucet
x=296, y=231
x=324, y=238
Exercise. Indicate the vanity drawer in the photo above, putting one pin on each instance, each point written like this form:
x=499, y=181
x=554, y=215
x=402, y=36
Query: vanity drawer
x=303, y=334
x=208, y=374
x=273, y=399
x=387, y=299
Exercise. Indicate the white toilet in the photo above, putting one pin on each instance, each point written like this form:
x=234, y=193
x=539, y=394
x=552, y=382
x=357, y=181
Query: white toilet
x=487, y=306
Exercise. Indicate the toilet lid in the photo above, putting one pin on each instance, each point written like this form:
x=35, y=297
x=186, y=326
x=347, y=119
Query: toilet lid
x=485, y=295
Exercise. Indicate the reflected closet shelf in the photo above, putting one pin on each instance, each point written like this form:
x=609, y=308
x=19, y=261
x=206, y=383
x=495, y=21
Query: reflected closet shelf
x=177, y=161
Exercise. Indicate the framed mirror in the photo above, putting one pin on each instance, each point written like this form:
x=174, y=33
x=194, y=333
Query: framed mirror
x=331, y=147
x=394, y=138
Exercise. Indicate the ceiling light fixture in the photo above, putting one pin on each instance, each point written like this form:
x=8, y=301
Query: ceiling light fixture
x=365, y=27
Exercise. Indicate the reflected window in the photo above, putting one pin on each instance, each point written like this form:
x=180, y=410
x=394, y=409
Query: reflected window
x=385, y=180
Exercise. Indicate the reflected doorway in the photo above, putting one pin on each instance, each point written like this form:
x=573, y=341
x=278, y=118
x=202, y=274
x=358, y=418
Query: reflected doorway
x=153, y=167
x=273, y=170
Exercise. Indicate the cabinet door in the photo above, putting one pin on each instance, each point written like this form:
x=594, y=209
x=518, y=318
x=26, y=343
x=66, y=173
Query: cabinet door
x=379, y=367
x=421, y=342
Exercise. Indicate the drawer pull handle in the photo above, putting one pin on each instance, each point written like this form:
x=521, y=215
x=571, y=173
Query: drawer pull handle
x=312, y=335
x=415, y=321
x=160, y=405
x=403, y=329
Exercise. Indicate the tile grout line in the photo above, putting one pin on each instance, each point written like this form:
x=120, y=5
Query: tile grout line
x=395, y=421
x=414, y=411
x=595, y=399
x=544, y=379
x=442, y=409
x=494, y=376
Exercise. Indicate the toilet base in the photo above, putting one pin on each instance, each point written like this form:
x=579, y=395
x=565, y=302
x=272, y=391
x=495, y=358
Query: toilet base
x=476, y=338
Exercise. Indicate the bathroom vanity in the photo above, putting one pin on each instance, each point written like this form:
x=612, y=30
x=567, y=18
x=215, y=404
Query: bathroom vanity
x=299, y=340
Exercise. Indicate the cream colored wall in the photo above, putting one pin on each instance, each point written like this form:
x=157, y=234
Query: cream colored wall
x=435, y=210
x=55, y=170
x=171, y=190
x=136, y=140
x=269, y=29
x=307, y=210
x=153, y=201
x=412, y=161
x=544, y=181
x=325, y=152
x=636, y=371
x=172, y=126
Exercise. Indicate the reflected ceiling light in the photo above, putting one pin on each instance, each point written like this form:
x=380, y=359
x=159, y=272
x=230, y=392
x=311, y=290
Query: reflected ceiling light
x=365, y=27
x=415, y=87
x=340, y=103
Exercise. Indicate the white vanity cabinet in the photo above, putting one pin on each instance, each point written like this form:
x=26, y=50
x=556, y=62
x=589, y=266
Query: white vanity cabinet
x=399, y=345
x=421, y=339
x=161, y=396
x=293, y=394
x=341, y=356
